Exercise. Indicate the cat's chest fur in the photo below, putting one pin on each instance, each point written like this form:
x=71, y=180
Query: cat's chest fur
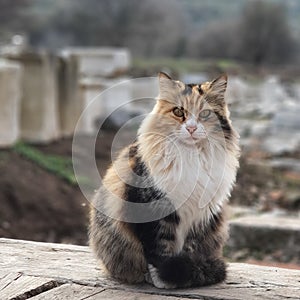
x=197, y=183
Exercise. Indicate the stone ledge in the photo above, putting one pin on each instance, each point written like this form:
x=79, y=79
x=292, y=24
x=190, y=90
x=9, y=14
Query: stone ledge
x=53, y=271
x=266, y=235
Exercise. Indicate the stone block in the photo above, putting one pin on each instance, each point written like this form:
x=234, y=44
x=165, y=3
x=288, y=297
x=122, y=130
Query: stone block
x=101, y=98
x=266, y=235
x=39, y=109
x=10, y=93
x=100, y=62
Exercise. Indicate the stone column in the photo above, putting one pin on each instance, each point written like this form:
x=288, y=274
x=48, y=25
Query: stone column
x=93, y=102
x=94, y=70
x=10, y=93
x=39, y=110
x=70, y=102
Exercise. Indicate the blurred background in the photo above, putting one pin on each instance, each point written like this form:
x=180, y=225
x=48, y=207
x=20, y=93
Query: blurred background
x=56, y=56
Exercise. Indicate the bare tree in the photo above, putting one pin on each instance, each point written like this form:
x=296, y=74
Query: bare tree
x=261, y=35
x=217, y=40
x=148, y=27
x=158, y=29
x=265, y=36
x=12, y=16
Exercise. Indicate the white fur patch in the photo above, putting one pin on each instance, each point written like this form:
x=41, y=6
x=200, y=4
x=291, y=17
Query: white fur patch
x=197, y=181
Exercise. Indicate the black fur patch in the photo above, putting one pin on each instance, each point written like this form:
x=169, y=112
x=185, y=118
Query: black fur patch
x=224, y=125
x=169, y=236
x=172, y=218
x=209, y=271
x=187, y=90
x=201, y=92
x=191, y=85
x=215, y=222
x=150, y=234
x=177, y=270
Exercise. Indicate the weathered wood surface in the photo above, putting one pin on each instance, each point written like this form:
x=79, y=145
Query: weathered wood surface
x=71, y=291
x=53, y=271
x=75, y=291
x=16, y=285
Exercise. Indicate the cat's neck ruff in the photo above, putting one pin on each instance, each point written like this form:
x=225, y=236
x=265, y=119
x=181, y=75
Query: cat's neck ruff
x=197, y=180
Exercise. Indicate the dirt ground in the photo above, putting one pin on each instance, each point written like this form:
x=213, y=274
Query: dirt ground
x=38, y=205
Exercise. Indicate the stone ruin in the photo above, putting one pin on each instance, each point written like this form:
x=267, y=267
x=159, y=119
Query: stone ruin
x=87, y=73
x=10, y=81
x=43, y=95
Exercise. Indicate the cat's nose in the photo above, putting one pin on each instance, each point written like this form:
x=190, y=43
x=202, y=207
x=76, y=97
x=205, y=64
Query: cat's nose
x=191, y=128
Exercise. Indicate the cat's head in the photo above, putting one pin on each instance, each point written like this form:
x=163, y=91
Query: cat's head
x=190, y=113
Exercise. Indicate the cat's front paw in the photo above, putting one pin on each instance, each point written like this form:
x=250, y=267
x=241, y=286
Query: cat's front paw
x=148, y=278
x=153, y=278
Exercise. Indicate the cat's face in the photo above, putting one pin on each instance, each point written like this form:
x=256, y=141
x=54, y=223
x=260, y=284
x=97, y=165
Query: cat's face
x=191, y=113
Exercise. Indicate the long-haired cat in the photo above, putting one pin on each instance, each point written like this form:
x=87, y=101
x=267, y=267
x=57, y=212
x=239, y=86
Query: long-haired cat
x=159, y=216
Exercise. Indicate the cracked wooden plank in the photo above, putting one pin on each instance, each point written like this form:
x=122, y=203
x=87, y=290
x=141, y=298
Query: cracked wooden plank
x=70, y=292
x=6, y=280
x=132, y=295
x=79, y=292
x=18, y=286
x=62, y=262
x=76, y=264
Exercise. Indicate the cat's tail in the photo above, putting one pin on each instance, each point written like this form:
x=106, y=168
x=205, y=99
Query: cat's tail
x=182, y=271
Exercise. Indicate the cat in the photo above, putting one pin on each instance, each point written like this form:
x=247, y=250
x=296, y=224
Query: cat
x=159, y=216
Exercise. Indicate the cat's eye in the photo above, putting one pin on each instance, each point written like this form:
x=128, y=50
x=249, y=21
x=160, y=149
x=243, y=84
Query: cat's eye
x=204, y=114
x=178, y=112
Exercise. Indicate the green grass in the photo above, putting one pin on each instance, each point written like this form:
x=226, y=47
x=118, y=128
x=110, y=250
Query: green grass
x=225, y=64
x=58, y=165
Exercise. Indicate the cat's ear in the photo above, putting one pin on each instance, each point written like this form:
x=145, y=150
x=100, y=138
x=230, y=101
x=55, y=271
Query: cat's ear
x=165, y=83
x=164, y=75
x=219, y=85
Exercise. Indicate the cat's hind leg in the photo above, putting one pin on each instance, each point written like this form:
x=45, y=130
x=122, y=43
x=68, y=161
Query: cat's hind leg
x=209, y=271
x=119, y=251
